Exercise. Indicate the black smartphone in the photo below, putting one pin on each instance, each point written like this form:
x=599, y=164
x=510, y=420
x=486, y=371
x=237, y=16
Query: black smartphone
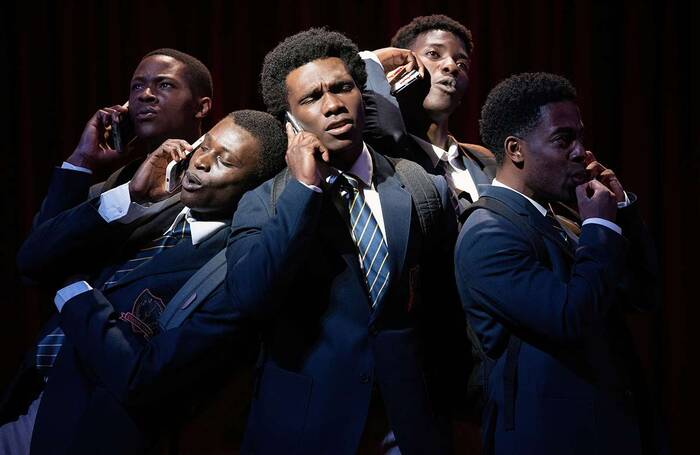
x=176, y=169
x=122, y=132
x=296, y=126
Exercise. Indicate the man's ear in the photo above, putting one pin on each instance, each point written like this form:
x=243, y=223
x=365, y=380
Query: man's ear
x=513, y=147
x=203, y=107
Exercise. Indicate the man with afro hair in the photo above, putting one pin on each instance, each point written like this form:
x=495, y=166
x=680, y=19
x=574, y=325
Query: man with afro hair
x=546, y=306
x=330, y=261
x=418, y=118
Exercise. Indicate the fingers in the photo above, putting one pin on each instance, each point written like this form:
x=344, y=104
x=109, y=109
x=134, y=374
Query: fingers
x=610, y=180
x=175, y=149
x=419, y=65
x=290, y=133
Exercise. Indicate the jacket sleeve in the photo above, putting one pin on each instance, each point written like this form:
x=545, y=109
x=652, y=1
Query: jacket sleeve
x=499, y=277
x=139, y=371
x=266, y=249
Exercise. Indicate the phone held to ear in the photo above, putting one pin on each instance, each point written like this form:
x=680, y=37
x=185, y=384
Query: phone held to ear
x=296, y=126
x=405, y=82
x=176, y=169
x=121, y=133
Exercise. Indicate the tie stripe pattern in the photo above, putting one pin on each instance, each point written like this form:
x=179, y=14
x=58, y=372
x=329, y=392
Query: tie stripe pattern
x=374, y=254
x=171, y=238
x=47, y=350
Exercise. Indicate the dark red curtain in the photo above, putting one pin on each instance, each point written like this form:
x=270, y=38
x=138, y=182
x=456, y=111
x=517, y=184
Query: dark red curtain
x=633, y=62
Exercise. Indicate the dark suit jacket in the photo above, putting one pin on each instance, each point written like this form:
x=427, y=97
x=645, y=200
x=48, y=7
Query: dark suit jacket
x=297, y=276
x=575, y=384
x=112, y=389
x=68, y=188
x=384, y=127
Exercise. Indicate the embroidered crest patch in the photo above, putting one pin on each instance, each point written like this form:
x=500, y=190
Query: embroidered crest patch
x=144, y=315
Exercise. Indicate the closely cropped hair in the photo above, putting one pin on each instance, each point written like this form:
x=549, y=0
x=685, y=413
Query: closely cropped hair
x=298, y=50
x=198, y=75
x=512, y=108
x=269, y=132
x=406, y=35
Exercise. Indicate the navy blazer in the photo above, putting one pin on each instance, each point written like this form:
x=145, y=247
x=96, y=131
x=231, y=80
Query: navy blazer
x=295, y=273
x=112, y=389
x=575, y=386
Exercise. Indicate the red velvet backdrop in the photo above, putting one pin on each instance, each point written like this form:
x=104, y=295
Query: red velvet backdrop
x=633, y=63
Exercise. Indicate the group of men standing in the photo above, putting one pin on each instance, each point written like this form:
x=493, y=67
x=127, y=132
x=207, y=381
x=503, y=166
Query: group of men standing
x=321, y=238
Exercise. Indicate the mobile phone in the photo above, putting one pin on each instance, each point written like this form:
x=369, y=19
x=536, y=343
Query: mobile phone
x=405, y=82
x=176, y=169
x=122, y=132
x=296, y=126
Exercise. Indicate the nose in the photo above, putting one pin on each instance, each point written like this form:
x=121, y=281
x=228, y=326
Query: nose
x=449, y=66
x=332, y=104
x=578, y=152
x=202, y=160
x=146, y=95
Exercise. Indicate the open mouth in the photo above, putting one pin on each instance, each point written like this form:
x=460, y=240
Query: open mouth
x=447, y=85
x=340, y=127
x=190, y=182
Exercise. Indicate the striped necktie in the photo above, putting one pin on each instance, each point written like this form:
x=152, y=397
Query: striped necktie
x=180, y=231
x=374, y=254
x=47, y=349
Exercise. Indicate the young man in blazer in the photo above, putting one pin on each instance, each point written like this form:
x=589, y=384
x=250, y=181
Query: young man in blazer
x=119, y=383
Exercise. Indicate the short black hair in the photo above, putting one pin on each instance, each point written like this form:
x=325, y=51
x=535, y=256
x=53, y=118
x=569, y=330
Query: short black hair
x=198, y=75
x=298, y=50
x=270, y=134
x=512, y=108
x=406, y=35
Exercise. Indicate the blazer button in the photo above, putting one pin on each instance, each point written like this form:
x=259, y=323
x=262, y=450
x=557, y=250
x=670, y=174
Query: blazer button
x=364, y=378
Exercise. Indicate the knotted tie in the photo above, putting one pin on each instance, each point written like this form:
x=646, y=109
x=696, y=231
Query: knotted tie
x=49, y=346
x=171, y=238
x=556, y=225
x=370, y=242
x=459, y=202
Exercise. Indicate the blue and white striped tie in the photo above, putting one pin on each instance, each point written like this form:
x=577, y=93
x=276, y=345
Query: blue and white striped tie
x=47, y=350
x=368, y=237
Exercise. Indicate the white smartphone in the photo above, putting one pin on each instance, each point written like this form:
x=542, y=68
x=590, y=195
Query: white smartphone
x=176, y=169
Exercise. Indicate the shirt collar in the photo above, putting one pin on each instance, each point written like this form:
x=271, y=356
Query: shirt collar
x=436, y=153
x=362, y=168
x=200, y=230
x=537, y=205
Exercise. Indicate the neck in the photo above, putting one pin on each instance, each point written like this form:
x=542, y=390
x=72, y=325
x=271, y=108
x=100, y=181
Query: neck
x=344, y=160
x=430, y=130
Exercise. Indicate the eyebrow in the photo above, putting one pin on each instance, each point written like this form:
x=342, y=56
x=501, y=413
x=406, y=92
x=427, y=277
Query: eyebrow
x=460, y=55
x=223, y=148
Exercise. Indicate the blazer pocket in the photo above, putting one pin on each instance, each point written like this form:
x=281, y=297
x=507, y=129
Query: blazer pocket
x=278, y=414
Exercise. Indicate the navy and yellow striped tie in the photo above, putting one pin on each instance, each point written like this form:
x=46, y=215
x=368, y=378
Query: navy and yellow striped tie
x=374, y=254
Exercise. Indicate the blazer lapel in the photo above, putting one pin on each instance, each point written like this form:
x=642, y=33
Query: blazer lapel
x=524, y=208
x=397, y=213
x=183, y=256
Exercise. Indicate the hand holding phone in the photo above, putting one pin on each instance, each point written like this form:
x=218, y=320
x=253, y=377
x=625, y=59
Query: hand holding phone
x=307, y=157
x=121, y=132
x=176, y=169
x=405, y=82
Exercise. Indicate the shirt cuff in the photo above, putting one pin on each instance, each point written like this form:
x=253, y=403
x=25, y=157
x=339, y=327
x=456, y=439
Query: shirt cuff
x=73, y=167
x=369, y=55
x=311, y=187
x=65, y=294
x=116, y=205
x=603, y=222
